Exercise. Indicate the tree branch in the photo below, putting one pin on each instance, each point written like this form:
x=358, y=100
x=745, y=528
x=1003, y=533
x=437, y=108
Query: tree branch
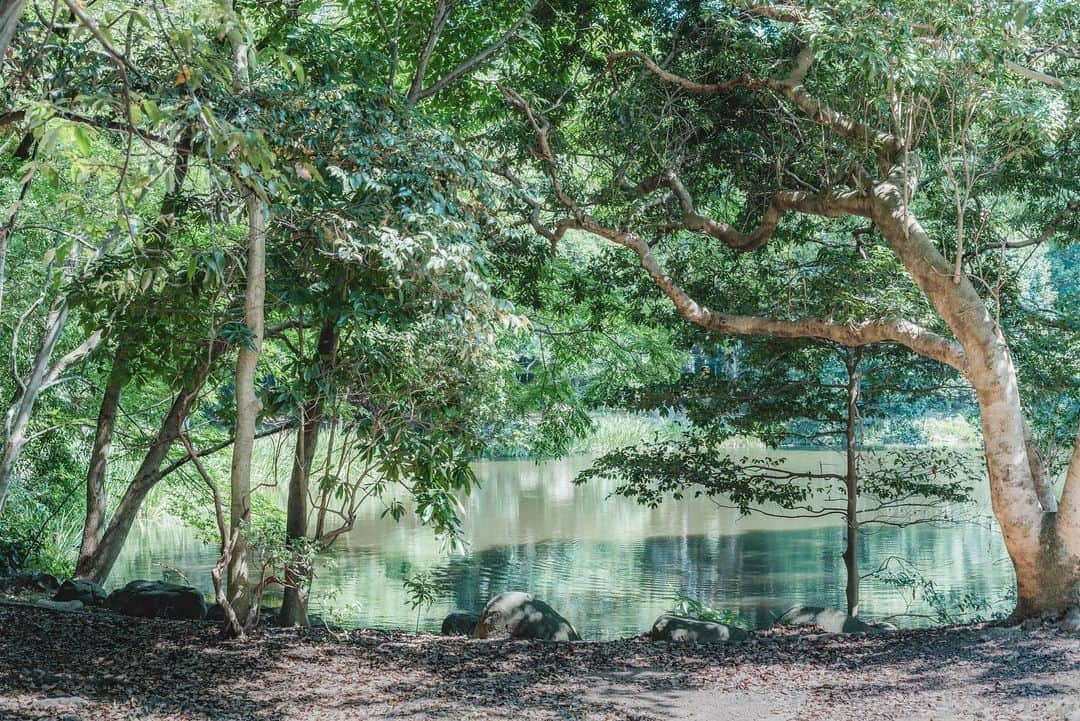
x=442, y=14
x=466, y=67
x=885, y=145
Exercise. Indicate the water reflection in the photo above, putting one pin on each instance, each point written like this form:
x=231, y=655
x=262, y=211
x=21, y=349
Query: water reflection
x=607, y=564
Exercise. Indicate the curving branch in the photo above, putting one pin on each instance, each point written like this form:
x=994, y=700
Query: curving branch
x=886, y=145
x=443, y=9
x=832, y=205
x=850, y=335
x=475, y=61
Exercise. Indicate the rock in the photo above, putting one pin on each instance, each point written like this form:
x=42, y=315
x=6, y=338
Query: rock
x=157, y=599
x=30, y=580
x=800, y=616
x=515, y=614
x=830, y=620
x=678, y=628
x=60, y=605
x=1071, y=622
x=78, y=589
x=215, y=613
x=459, y=623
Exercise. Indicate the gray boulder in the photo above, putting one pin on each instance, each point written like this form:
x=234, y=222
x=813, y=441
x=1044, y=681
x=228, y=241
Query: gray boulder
x=459, y=623
x=829, y=620
x=157, y=599
x=518, y=615
x=691, y=630
x=67, y=606
x=800, y=616
x=32, y=581
x=78, y=589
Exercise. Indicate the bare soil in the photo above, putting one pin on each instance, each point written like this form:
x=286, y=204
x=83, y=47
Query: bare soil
x=91, y=666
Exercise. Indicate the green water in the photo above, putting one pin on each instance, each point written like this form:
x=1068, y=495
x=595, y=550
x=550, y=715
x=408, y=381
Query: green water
x=606, y=564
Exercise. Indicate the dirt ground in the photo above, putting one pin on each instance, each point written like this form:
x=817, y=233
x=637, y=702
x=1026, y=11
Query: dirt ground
x=91, y=666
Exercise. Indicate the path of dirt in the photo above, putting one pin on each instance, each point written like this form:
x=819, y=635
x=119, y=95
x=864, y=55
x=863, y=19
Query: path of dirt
x=86, y=667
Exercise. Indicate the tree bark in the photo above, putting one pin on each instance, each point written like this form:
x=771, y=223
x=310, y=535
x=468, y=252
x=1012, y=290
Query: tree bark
x=22, y=404
x=1045, y=577
x=298, y=578
x=248, y=407
x=10, y=12
x=97, y=564
x=99, y=456
x=851, y=516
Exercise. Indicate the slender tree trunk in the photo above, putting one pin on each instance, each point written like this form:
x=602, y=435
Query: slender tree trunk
x=99, y=456
x=248, y=407
x=21, y=408
x=10, y=12
x=96, y=565
x=298, y=578
x=851, y=551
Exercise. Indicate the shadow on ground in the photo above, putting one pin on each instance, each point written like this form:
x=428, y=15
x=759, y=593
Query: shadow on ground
x=112, y=667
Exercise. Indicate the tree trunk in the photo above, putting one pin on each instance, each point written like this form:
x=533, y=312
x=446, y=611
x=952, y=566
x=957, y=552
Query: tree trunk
x=10, y=12
x=1044, y=552
x=298, y=578
x=851, y=516
x=248, y=407
x=99, y=456
x=21, y=408
x=96, y=565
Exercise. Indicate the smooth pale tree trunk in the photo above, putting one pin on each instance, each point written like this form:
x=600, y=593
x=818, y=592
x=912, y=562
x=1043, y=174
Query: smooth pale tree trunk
x=298, y=578
x=1045, y=551
x=99, y=456
x=10, y=12
x=21, y=408
x=851, y=551
x=248, y=407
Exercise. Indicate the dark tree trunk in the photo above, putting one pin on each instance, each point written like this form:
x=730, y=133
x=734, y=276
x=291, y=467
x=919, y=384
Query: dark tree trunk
x=298, y=577
x=851, y=551
x=97, y=565
x=99, y=456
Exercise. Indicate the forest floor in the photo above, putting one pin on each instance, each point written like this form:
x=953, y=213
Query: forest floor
x=99, y=666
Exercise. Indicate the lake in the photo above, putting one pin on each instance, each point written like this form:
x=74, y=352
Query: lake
x=608, y=565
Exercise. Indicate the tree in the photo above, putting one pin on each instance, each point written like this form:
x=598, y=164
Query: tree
x=10, y=13
x=857, y=126
x=791, y=393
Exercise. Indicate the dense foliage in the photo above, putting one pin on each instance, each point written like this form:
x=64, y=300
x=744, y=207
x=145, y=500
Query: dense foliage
x=382, y=238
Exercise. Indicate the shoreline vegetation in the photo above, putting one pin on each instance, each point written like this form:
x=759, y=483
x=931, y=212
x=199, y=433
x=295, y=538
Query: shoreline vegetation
x=158, y=670
x=613, y=430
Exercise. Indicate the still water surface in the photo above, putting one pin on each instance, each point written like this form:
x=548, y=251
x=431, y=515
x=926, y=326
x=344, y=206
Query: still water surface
x=607, y=564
